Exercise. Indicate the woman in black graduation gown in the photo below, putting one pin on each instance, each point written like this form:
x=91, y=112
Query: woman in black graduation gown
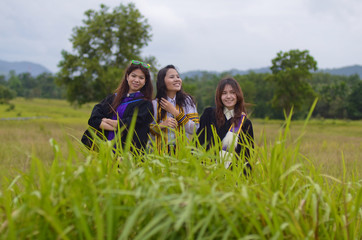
x=134, y=93
x=230, y=123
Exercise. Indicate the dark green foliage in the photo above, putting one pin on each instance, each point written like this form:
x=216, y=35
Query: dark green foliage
x=290, y=72
x=334, y=94
x=258, y=94
x=202, y=89
x=354, y=102
x=15, y=84
x=6, y=94
x=2, y=80
x=42, y=86
x=47, y=87
x=102, y=48
x=27, y=84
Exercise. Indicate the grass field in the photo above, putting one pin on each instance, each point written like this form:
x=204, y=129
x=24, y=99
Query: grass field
x=304, y=184
x=325, y=142
x=27, y=129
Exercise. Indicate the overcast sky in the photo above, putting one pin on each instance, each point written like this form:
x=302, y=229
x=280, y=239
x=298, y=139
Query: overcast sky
x=196, y=34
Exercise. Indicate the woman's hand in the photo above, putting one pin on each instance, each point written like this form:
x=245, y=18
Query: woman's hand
x=108, y=124
x=169, y=122
x=169, y=107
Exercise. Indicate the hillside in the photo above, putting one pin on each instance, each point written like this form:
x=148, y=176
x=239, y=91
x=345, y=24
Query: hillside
x=349, y=70
x=21, y=67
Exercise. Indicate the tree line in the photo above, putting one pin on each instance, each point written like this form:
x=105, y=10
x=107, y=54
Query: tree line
x=27, y=86
x=338, y=96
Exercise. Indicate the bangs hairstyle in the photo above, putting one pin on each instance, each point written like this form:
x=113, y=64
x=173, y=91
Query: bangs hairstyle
x=182, y=98
x=123, y=87
x=239, y=106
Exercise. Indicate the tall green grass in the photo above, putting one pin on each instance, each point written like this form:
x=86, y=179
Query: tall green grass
x=185, y=195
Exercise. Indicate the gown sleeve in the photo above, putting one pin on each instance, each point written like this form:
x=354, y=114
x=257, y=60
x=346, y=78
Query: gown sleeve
x=204, y=131
x=246, y=139
x=189, y=118
x=101, y=110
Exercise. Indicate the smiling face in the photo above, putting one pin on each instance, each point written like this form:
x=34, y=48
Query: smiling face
x=228, y=97
x=136, y=80
x=173, y=81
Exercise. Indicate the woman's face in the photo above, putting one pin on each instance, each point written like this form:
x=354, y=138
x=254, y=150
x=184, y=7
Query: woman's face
x=228, y=97
x=136, y=80
x=173, y=81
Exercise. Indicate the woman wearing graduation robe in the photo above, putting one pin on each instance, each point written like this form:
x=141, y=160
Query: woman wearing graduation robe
x=229, y=122
x=174, y=110
x=134, y=94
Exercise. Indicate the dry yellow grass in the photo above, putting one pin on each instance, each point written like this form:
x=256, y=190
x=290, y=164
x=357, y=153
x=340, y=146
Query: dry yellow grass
x=21, y=139
x=326, y=143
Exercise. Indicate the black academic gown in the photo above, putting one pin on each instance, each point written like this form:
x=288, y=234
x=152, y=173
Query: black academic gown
x=206, y=136
x=143, y=120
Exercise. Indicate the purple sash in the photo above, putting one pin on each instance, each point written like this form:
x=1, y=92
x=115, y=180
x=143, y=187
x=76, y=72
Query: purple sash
x=131, y=97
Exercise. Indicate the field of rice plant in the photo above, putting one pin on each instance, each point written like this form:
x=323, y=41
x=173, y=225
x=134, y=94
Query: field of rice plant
x=305, y=183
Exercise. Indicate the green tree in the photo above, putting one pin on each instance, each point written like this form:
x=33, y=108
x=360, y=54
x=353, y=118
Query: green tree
x=15, y=84
x=290, y=70
x=258, y=93
x=6, y=94
x=354, y=107
x=28, y=84
x=333, y=92
x=47, y=87
x=102, y=48
x=333, y=100
x=3, y=81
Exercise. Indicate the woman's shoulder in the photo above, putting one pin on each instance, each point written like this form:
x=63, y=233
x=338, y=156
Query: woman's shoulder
x=209, y=110
x=189, y=100
x=109, y=98
x=105, y=102
x=247, y=122
x=209, y=113
x=143, y=103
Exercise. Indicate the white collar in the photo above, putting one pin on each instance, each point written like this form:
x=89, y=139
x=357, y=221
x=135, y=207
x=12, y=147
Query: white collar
x=172, y=100
x=129, y=94
x=228, y=113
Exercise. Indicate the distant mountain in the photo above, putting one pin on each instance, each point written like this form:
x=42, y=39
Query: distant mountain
x=345, y=71
x=232, y=72
x=256, y=70
x=22, y=67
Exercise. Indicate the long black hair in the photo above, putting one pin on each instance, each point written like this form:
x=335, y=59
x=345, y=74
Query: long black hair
x=239, y=107
x=182, y=98
x=123, y=87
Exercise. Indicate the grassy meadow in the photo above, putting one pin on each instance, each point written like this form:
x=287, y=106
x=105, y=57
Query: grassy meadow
x=325, y=142
x=305, y=184
x=27, y=129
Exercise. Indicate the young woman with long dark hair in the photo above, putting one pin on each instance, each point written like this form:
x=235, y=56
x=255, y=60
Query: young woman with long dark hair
x=173, y=108
x=133, y=94
x=230, y=123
